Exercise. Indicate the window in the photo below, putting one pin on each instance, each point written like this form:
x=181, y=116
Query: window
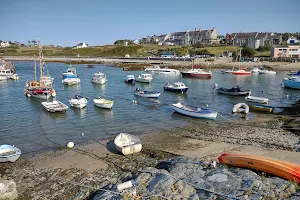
x=280, y=49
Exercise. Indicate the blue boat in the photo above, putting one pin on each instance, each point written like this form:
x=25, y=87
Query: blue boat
x=294, y=74
x=176, y=87
x=292, y=82
x=148, y=94
x=193, y=111
x=70, y=73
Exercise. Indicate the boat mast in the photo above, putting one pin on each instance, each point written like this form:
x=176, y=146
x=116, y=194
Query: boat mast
x=41, y=61
x=193, y=41
x=34, y=68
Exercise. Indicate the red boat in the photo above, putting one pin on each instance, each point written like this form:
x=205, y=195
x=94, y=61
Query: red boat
x=196, y=73
x=241, y=71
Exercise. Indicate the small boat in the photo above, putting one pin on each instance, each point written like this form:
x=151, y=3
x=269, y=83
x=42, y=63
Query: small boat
x=234, y=91
x=129, y=79
x=127, y=144
x=241, y=71
x=162, y=71
x=255, y=70
x=262, y=108
x=99, y=78
x=176, y=87
x=196, y=73
x=69, y=73
x=90, y=66
x=9, y=153
x=54, y=106
x=193, y=111
x=229, y=71
x=240, y=108
x=47, y=80
x=70, y=81
x=265, y=71
x=103, y=103
x=144, y=78
x=148, y=94
x=256, y=99
x=5, y=73
x=279, y=168
x=294, y=73
x=78, y=102
x=14, y=77
x=292, y=82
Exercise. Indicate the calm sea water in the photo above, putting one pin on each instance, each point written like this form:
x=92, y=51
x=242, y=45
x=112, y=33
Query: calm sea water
x=26, y=124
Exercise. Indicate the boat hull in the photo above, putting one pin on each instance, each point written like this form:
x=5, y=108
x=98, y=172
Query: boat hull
x=256, y=99
x=147, y=95
x=170, y=89
x=142, y=80
x=107, y=104
x=291, y=84
x=127, y=144
x=261, y=108
x=279, y=168
x=3, y=78
x=75, y=103
x=129, y=80
x=211, y=115
x=5, y=156
x=233, y=93
x=241, y=73
x=71, y=81
x=99, y=81
x=55, y=106
x=196, y=75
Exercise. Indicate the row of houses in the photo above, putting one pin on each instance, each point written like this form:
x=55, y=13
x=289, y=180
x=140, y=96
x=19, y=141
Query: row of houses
x=4, y=44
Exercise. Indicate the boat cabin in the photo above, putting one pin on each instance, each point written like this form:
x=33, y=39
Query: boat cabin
x=146, y=76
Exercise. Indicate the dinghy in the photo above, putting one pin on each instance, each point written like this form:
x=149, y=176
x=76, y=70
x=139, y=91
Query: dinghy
x=240, y=108
x=129, y=79
x=127, y=144
x=279, y=168
x=193, y=111
x=261, y=108
x=103, y=103
x=234, y=91
x=256, y=99
x=78, y=102
x=148, y=94
x=9, y=153
x=54, y=106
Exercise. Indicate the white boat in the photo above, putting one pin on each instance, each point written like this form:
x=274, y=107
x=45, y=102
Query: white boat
x=229, y=71
x=193, y=111
x=127, y=144
x=265, y=71
x=255, y=70
x=103, y=103
x=256, y=99
x=176, y=87
x=148, y=94
x=54, y=106
x=6, y=73
x=14, y=77
x=70, y=81
x=163, y=71
x=99, y=78
x=240, y=108
x=47, y=80
x=9, y=153
x=144, y=78
x=78, y=102
x=3, y=78
x=129, y=79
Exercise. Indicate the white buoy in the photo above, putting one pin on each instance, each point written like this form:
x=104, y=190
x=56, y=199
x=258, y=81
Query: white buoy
x=70, y=145
x=125, y=185
x=82, y=134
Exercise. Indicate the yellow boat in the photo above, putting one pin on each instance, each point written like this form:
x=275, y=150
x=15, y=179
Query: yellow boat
x=261, y=108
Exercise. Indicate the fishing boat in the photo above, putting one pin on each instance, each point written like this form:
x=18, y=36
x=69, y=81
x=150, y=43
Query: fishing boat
x=127, y=144
x=265, y=71
x=78, y=102
x=5, y=74
x=240, y=108
x=70, y=81
x=196, y=73
x=292, y=82
x=144, y=78
x=256, y=99
x=261, y=108
x=193, y=111
x=9, y=153
x=148, y=94
x=279, y=168
x=234, y=91
x=99, y=78
x=241, y=71
x=176, y=87
x=69, y=73
x=54, y=106
x=129, y=79
x=39, y=89
x=103, y=103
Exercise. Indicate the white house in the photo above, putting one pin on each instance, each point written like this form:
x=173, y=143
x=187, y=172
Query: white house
x=4, y=44
x=293, y=40
x=81, y=45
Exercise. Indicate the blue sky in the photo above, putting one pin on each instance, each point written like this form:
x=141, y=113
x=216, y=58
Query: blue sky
x=99, y=22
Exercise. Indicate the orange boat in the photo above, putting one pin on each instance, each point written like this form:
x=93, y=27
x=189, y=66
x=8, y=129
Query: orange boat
x=279, y=168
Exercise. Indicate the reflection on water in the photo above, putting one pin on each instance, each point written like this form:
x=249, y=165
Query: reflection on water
x=80, y=112
x=106, y=113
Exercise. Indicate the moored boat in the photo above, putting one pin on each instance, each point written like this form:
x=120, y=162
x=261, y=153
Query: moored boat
x=240, y=108
x=234, y=91
x=265, y=71
x=193, y=111
x=78, y=102
x=279, y=168
x=292, y=82
x=197, y=73
x=69, y=73
x=129, y=79
x=255, y=70
x=103, y=103
x=256, y=99
x=261, y=108
x=176, y=87
x=70, y=81
x=54, y=106
x=241, y=71
x=9, y=153
x=148, y=94
x=127, y=144
x=163, y=71
x=144, y=78
x=99, y=78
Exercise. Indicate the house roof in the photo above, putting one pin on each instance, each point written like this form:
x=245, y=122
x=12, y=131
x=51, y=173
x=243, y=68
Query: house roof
x=244, y=35
x=261, y=35
x=179, y=33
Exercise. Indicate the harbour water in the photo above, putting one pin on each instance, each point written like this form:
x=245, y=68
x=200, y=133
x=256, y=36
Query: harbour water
x=26, y=124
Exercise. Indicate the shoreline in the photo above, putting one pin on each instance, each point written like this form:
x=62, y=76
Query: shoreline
x=97, y=164
x=136, y=63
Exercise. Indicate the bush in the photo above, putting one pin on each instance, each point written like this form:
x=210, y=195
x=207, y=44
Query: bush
x=264, y=48
x=248, y=52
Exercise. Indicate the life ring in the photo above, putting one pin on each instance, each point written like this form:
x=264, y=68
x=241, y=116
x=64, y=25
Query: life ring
x=240, y=108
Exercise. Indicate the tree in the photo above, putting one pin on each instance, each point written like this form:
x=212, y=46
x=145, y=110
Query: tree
x=285, y=36
x=248, y=52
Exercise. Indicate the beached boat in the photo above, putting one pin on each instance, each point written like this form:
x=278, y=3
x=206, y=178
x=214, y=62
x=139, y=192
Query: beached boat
x=265, y=71
x=129, y=79
x=196, y=73
x=148, y=94
x=241, y=71
x=103, y=103
x=78, y=102
x=240, y=108
x=54, y=106
x=127, y=144
x=144, y=78
x=234, y=91
x=292, y=82
x=9, y=153
x=193, y=111
x=279, y=168
x=261, y=108
x=176, y=87
x=256, y=99
x=70, y=81
x=99, y=78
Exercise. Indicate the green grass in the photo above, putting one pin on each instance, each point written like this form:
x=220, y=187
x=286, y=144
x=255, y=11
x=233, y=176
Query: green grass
x=219, y=50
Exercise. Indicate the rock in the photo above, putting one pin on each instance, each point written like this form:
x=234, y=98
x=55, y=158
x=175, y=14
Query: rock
x=8, y=189
x=217, y=178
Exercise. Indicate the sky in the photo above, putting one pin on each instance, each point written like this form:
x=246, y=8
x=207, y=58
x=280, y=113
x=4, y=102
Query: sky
x=101, y=22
